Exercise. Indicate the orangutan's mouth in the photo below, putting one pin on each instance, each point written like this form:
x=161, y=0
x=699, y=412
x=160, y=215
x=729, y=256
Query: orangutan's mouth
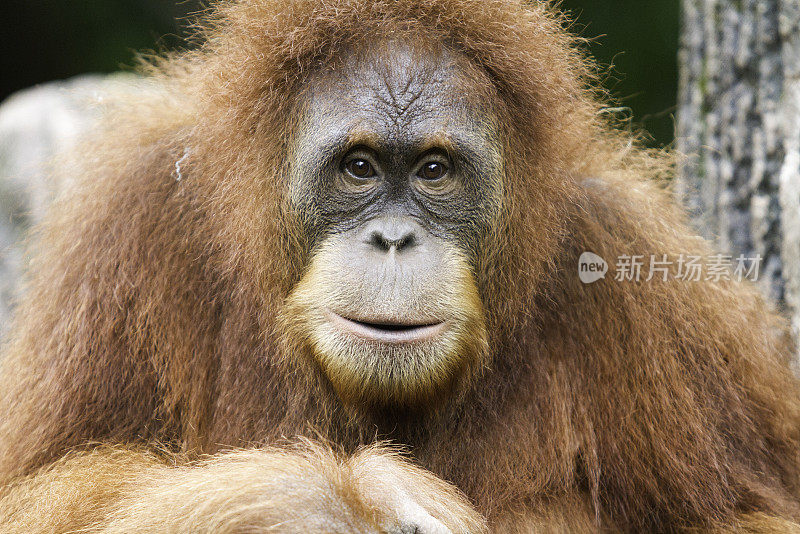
x=384, y=331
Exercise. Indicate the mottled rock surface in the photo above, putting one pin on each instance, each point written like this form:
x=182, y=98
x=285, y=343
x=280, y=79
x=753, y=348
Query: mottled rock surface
x=35, y=125
x=739, y=126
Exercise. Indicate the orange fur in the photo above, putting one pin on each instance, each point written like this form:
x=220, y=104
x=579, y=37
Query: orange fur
x=152, y=309
x=308, y=489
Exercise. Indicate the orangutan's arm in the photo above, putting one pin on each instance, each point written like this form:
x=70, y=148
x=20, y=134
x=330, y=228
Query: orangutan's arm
x=308, y=489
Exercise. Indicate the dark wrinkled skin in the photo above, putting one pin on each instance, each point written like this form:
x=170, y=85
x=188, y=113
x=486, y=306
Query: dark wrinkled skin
x=397, y=110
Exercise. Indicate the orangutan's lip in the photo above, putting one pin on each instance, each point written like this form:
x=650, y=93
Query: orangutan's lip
x=387, y=332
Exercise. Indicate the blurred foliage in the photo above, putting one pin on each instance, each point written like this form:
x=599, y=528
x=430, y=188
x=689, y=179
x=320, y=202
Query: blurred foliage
x=51, y=39
x=636, y=43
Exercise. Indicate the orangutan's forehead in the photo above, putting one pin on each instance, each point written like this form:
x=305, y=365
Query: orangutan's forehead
x=403, y=82
x=396, y=91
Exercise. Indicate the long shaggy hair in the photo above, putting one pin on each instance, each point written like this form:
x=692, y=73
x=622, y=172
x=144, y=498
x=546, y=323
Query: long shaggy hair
x=155, y=286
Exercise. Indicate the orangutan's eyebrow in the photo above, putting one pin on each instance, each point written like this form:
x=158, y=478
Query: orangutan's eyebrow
x=360, y=136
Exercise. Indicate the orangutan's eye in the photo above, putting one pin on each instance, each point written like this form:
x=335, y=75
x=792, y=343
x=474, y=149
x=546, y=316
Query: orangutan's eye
x=360, y=168
x=433, y=171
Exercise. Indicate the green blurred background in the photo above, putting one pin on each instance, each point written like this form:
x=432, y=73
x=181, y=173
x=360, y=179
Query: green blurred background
x=51, y=39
